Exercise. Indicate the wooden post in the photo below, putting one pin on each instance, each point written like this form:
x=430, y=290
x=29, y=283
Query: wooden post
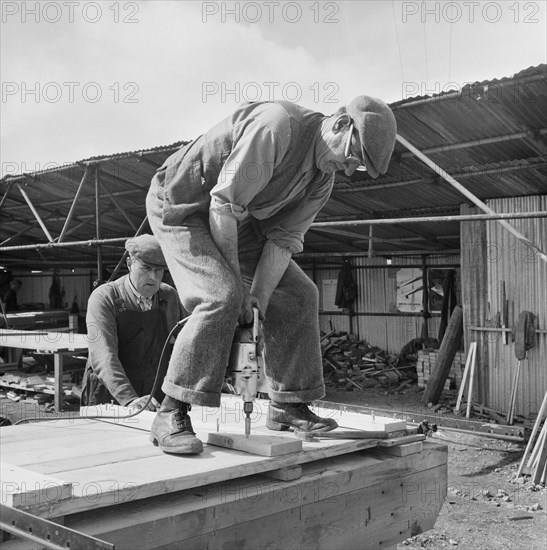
x=425, y=299
x=470, y=357
x=542, y=459
x=539, y=418
x=471, y=378
x=445, y=357
x=513, y=400
x=98, y=223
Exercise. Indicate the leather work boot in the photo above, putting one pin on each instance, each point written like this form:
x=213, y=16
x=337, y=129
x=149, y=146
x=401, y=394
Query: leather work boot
x=172, y=429
x=290, y=416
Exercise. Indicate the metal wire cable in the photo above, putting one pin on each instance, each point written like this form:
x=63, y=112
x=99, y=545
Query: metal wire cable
x=176, y=328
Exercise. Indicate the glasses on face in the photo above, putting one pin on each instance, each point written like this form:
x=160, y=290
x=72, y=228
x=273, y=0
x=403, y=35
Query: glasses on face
x=348, y=154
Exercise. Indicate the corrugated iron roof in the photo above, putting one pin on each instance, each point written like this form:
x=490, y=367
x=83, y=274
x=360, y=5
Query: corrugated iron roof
x=491, y=136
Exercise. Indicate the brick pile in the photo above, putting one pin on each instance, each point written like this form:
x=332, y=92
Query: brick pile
x=425, y=365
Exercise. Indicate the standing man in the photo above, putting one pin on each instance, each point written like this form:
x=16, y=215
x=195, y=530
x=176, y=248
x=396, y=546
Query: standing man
x=10, y=297
x=229, y=210
x=128, y=321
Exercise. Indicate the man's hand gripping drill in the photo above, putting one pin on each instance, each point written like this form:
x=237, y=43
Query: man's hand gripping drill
x=243, y=367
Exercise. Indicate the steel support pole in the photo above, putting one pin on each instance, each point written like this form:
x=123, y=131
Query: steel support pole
x=120, y=209
x=35, y=212
x=125, y=254
x=73, y=206
x=475, y=200
x=5, y=196
x=98, y=223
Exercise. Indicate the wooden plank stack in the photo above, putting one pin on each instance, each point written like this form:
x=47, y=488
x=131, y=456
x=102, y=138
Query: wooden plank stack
x=426, y=364
x=107, y=480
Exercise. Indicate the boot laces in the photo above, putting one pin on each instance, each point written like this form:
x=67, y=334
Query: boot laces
x=184, y=423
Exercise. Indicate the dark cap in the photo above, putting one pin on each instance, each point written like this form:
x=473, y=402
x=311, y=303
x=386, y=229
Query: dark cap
x=377, y=129
x=147, y=249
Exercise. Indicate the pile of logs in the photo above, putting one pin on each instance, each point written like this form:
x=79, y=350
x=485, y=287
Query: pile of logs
x=351, y=363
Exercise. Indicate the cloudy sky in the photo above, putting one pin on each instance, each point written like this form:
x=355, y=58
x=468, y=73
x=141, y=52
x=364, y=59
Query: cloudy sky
x=81, y=79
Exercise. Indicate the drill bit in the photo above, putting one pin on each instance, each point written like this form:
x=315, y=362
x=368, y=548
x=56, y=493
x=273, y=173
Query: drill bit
x=248, y=409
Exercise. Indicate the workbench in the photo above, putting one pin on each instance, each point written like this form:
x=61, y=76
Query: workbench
x=58, y=344
x=105, y=479
x=38, y=320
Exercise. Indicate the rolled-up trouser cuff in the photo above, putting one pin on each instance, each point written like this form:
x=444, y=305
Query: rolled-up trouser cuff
x=186, y=395
x=304, y=396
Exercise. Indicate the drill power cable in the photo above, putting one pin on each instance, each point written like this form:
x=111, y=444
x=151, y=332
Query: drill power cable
x=176, y=328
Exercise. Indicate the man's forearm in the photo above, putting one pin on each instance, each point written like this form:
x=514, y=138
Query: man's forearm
x=270, y=269
x=224, y=232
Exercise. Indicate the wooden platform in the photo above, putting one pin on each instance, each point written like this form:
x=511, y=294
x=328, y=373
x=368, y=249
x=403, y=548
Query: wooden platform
x=107, y=480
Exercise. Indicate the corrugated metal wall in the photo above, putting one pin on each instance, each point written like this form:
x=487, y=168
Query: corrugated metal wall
x=525, y=279
x=377, y=294
x=36, y=287
x=491, y=256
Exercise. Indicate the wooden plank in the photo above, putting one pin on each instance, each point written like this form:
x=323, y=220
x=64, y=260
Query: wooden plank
x=109, y=463
x=470, y=355
x=142, y=478
x=41, y=341
x=205, y=510
x=513, y=398
x=471, y=381
x=127, y=451
x=285, y=474
x=404, y=450
x=29, y=455
x=535, y=428
x=400, y=440
x=541, y=461
x=23, y=488
x=370, y=518
x=61, y=433
x=263, y=445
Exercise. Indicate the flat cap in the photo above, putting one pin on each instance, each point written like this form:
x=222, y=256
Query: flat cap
x=147, y=249
x=377, y=129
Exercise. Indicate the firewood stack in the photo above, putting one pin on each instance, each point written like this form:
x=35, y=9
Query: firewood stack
x=353, y=364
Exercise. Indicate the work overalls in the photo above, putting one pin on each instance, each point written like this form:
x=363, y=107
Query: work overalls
x=141, y=336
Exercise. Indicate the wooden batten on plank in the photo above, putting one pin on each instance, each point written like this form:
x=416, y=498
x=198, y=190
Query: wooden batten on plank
x=400, y=440
x=35, y=488
x=404, y=450
x=258, y=444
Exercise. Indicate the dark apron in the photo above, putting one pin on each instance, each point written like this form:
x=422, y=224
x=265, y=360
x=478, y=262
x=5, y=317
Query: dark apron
x=141, y=336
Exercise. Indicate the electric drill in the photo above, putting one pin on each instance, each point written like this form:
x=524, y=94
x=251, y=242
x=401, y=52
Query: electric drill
x=243, y=367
